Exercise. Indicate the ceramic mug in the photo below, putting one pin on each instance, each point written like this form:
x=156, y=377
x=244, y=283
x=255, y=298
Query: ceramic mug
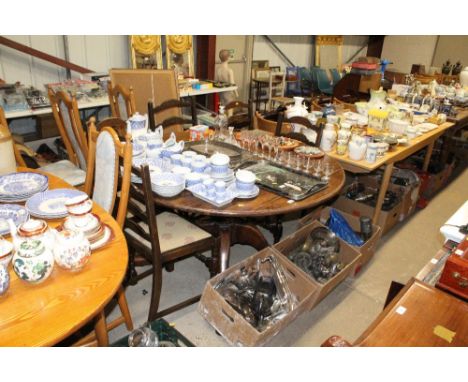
x=186, y=161
x=220, y=186
x=198, y=167
x=193, y=179
x=371, y=153
x=245, y=181
x=177, y=159
x=189, y=154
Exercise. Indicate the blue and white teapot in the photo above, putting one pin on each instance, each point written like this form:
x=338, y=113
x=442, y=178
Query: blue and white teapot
x=137, y=125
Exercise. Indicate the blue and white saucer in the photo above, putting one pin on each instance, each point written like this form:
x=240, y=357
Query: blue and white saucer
x=20, y=186
x=242, y=194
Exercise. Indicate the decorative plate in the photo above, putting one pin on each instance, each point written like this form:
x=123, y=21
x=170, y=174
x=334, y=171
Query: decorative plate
x=17, y=213
x=21, y=185
x=51, y=204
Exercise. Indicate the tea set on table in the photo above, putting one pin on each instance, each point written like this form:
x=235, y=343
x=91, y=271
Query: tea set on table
x=172, y=169
x=35, y=247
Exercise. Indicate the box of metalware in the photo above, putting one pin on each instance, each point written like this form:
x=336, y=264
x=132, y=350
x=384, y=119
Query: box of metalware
x=367, y=250
x=297, y=247
x=387, y=219
x=241, y=321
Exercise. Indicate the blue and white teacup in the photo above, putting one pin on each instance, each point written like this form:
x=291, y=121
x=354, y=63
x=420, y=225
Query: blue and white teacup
x=189, y=154
x=210, y=187
x=186, y=161
x=176, y=159
x=198, y=167
x=200, y=158
x=192, y=179
x=245, y=181
x=219, y=164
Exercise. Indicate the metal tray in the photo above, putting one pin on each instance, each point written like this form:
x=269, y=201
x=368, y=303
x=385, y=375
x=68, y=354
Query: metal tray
x=233, y=152
x=284, y=181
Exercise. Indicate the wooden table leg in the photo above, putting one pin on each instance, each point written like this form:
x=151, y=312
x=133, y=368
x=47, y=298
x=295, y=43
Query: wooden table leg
x=100, y=328
x=246, y=234
x=427, y=158
x=382, y=191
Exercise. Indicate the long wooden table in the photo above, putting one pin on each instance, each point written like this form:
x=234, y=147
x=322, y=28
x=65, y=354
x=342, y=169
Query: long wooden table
x=390, y=158
x=44, y=314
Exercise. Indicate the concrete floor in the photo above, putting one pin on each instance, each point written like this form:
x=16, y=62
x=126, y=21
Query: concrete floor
x=346, y=311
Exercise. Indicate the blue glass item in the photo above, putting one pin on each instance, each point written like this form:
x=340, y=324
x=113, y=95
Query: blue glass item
x=342, y=229
x=323, y=82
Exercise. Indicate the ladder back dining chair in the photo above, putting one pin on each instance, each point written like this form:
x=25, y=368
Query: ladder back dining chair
x=161, y=240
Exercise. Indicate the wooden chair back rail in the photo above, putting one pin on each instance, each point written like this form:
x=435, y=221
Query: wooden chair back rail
x=170, y=104
x=73, y=113
x=19, y=159
x=242, y=114
x=300, y=121
x=124, y=151
x=119, y=125
x=129, y=98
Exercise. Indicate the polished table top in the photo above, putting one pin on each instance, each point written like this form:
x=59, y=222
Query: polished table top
x=44, y=314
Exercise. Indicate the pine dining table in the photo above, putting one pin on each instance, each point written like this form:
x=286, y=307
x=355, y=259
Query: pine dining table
x=46, y=313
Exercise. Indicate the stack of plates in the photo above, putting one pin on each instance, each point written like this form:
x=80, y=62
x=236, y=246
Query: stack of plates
x=15, y=212
x=51, y=204
x=228, y=177
x=20, y=186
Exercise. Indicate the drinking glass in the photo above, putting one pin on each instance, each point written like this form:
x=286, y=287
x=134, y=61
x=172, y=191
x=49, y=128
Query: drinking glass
x=299, y=160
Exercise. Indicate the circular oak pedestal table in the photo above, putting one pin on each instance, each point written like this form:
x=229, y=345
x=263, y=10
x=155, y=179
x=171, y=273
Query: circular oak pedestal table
x=46, y=313
x=236, y=222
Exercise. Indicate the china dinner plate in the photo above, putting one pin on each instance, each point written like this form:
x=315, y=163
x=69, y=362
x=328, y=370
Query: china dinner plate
x=19, y=185
x=17, y=213
x=51, y=204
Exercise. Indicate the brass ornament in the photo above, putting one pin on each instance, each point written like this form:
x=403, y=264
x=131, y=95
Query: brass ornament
x=179, y=43
x=329, y=40
x=146, y=44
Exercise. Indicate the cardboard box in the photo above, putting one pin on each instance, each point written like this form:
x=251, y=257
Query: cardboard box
x=367, y=250
x=350, y=256
x=46, y=126
x=387, y=219
x=232, y=325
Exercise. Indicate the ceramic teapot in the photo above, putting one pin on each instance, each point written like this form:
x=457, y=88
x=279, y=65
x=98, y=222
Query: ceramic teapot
x=31, y=229
x=33, y=261
x=72, y=250
x=296, y=110
x=377, y=100
x=137, y=125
